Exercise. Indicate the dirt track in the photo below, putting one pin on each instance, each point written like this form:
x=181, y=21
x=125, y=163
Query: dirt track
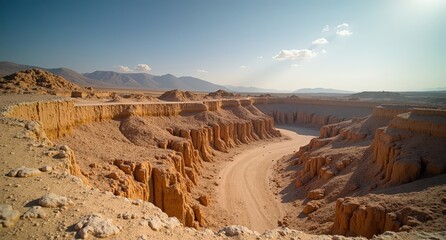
x=244, y=190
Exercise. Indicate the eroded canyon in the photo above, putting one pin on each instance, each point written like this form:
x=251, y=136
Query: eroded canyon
x=195, y=161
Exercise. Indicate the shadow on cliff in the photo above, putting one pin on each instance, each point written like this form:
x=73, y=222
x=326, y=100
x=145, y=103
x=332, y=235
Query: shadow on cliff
x=305, y=131
x=290, y=193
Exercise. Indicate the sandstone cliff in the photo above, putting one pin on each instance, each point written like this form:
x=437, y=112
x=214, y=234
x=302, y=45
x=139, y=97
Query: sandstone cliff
x=411, y=146
x=179, y=137
x=311, y=112
x=393, y=146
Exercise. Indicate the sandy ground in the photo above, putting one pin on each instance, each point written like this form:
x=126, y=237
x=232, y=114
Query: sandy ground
x=244, y=190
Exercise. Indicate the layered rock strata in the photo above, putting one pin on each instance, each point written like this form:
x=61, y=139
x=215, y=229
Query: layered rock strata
x=311, y=112
x=171, y=169
x=401, y=150
x=383, y=152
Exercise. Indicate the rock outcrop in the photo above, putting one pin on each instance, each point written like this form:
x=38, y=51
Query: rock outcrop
x=36, y=81
x=401, y=150
x=179, y=96
x=219, y=94
x=368, y=219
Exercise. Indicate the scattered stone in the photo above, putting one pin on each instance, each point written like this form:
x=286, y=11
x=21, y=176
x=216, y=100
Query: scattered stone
x=411, y=221
x=143, y=223
x=8, y=216
x=172, y=223
x=142, y=237
x=53, y=200
x=316, y=194
x=137, y=202
x=311, y=207
x=23, y=172
x=34, y=212
x=61, y=154
x=204, y=200
x=155, y=223
x=46, y=168
x=405, y=228
x=64, y=148
x=127, y=216
x=113, y=176
x=95, y=225
x=339, y=165
x=235, y=230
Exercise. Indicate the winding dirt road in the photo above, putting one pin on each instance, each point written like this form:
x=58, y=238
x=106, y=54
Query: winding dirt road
x=244, y=191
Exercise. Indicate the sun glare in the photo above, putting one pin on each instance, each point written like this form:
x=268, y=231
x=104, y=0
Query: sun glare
x=427, y=4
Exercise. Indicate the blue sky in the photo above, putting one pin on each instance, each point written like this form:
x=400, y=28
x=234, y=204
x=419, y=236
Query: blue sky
x=286, y=45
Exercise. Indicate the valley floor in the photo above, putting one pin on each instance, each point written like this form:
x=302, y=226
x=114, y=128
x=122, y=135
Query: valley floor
x=244, y=189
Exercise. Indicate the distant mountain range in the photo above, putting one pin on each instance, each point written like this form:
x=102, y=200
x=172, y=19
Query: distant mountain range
x=144, y=81
x=110, y=79
x=322, y=90
x=147, y=81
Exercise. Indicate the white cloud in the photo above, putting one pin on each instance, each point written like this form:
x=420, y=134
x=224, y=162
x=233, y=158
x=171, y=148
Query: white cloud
x=323, y=51
x=243, y=67
x=342, y=26
x=344, y=32
x=326, y=28
x=142, y=68
x=123, y=68
x=295, y=54
x=260, y=57
x=320, y=41
x=202, y=71
x=294, y=65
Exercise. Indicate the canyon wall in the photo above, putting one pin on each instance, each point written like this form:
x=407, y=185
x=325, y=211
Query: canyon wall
x=384, y=152
x=411, y=146
x=57, y=115
x=60, y=116
x=311, y=112
x=173, y=152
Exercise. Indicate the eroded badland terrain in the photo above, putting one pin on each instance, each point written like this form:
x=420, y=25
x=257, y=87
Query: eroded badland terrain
x=77, y=162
